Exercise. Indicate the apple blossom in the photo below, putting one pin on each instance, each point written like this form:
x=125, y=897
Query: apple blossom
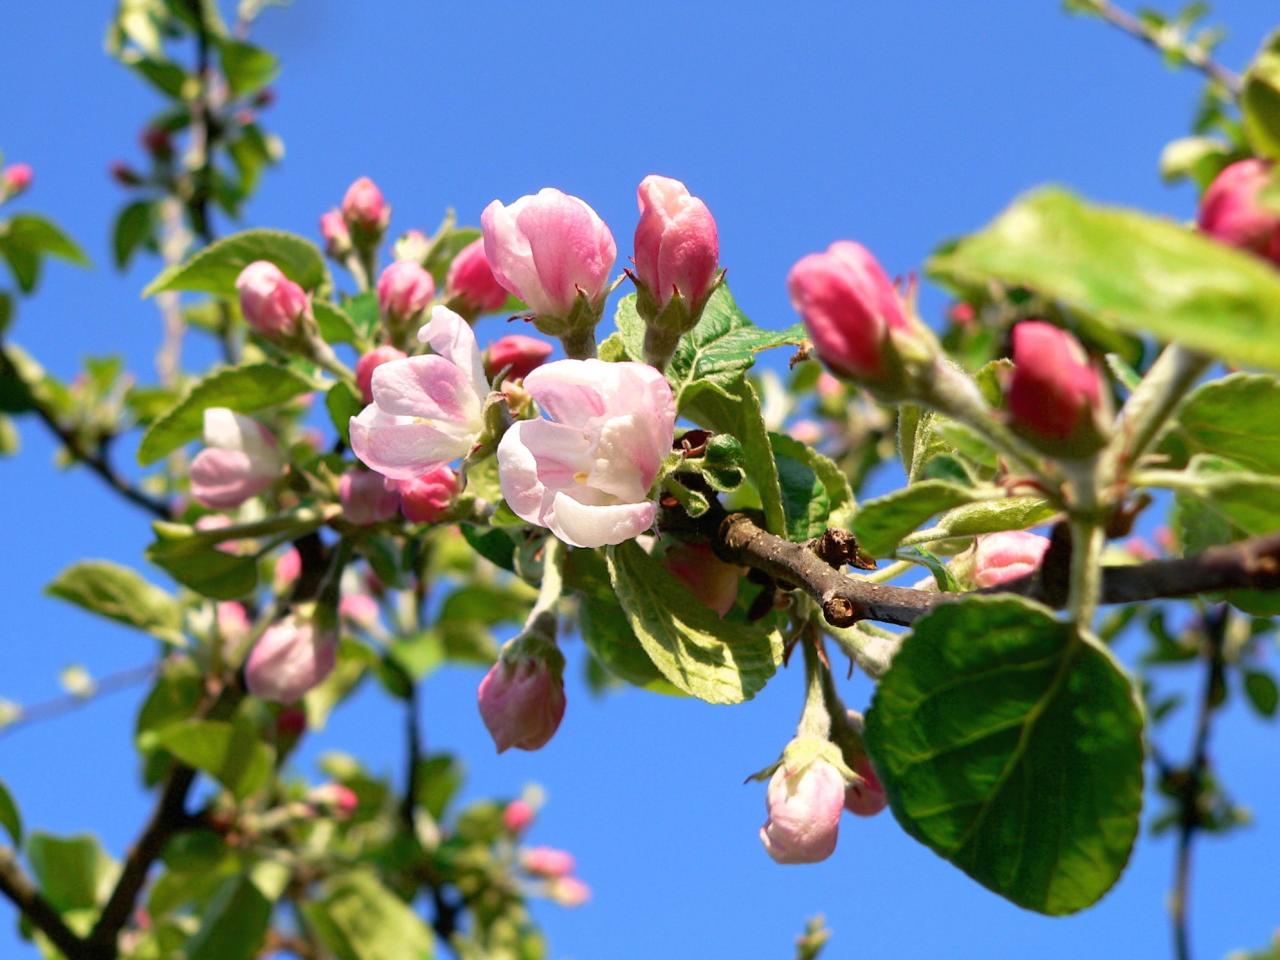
x=1054, y=394
x=336, y=798
x=233, y=623
x=866, y=797
x=404, y=291
x=426, y=410
x=366, y=498
x=585, y=473
x=271, y=303
x=290, y=658
x=708, y=578
x=804, y=804
x=517, y=354
x=359, y=609
x=569, y=891
x=17, y=178
x=337, y=238
x=368, y=363
x=1230, y=209
x=547, y=862
x=413, y=245
x=426, y=498
x=677, y=250
x=522, y=700
x=364, y=209
x=471, y=284
x=517, y=816
x=1005, y=556
x=240, y=459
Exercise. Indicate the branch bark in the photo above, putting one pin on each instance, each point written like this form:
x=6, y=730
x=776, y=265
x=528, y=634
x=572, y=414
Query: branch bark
x=15, y=885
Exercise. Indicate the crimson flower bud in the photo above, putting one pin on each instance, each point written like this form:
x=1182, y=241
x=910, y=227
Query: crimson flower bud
x=677, y=250
x=522, y=700
x=404, y=291
x=124, y=174
x=547, y=862
x=367, y=497
x=804, y=804
x=16, y=179
x=370, y=362
x=471, y=284
x=1001, y=557
x=517, y=816
x=517, y=354
x=291, y=722
x=157, y=141
x=364, y=209
x=337, y=238
x=708, y=578
x=289, y=659
x=1230, y=210
x=426, y=498
x=272, y=304
x=1055, y=394
x=849, y=307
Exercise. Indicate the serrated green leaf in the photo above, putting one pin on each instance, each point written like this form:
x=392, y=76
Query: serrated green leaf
x=1012, y=748
x=248, y=68
x=357, y=918
x=10, y=818
x=243, y=389
x=215, y=268
x=992, y=516
x=613, y=644
x=334, y=324
x=815, y=493
x=882, y=523
x=1248, y=501
x=120, y=594
x=719, y=661
x=1237, y=417
x=1128, y=271
x=231, y=753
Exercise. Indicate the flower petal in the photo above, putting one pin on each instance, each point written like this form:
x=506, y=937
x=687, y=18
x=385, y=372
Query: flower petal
x=583, y=525
x=223, y=479
x=401, y=447
x=452, y=338
x=430, y=388
x=536, y=459
x=573, y=392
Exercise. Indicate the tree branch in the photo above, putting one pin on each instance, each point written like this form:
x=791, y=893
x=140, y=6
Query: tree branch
x=15, y=885
x=1195, y=56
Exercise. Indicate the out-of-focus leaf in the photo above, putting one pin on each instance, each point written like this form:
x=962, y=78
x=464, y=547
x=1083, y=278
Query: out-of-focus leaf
x=119, y=594
x=10, y=819
x=248, y=68
x=231, y=753
x=1237, y=417
x=215, y=268
x=357, y=918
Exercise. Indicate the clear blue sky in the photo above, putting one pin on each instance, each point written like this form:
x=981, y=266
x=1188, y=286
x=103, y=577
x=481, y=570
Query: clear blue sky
x=897, y=124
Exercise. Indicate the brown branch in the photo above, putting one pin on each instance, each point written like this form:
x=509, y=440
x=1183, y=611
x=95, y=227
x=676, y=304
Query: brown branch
x=15, y=885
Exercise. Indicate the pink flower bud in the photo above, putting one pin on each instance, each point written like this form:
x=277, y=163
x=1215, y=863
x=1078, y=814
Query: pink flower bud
x=1054, y=393
x=271, y=303
x=517, y=816
x=288, y=569
x=708, y=578
x=364, y=209
x=676, y=245
x=547, y=862
x=359, y=609
x=865, y=798
x=808, y=432
x=404, y=290
x=962, y=314
x=829, y=387
x=17, y=178
x=547, y=248
x=521, y=702
x=522, y=354
x=239, y=461
x=233, y=623
x=370, y=362
x=804, y=812
x=291, y=722
x=471, y=281
x=849, y=306
x=569, y=892
x=365, y=497
x=337, y=238
x=1001, y=557
x=157, y=141
x=1231, y=212
x=335, y=798
x=289, y=659
x=413, y=245
x=425, y=499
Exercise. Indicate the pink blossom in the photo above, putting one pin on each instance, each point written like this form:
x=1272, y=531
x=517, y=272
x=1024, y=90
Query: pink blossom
x=240, y=460
x=1054, y=391
x=676, y=244
x=1231, y=212
x=359, y=609
x=271, y=303
x=585, y=472
x=233, y=623
x=548, y=248
x=363, y=207
x=413, y=245
x=1001, y=557
x=337, y=238
x=425, y=499
x=865, y=798
x=521, y=702
x=404, y=290
x=849, y=306
x=366, y=498
x=520, y=353
x=471, y=280
x=708, y=578
x=804, y=812
x=368, y=363
x=517, y=816
x=829, y=387
x=426, y=410
x=335, y=797
x=17, y=178
x=547, y=862
x=808, y=432
x=569, y=892
x=289, y=659
x=288, y=569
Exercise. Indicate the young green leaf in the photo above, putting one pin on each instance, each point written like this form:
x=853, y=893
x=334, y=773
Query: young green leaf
x=119, y=594
x=357, y=918
x=10, y=819
x=231, y=753
x=215, y=268
x=882, y=523
x=1237, y=417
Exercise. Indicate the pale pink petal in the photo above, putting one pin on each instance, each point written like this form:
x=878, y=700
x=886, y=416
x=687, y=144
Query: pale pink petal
x=626, y=459
x=430, y=388
x=222, y=479
x=401, y=447
x=572, y=391
x=536, y=458
x=583, y=525
x=452, y=338
x=509, y=256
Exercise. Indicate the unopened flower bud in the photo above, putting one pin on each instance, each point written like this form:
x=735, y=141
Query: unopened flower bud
x=240, y=459
x=569, y=892
x=334, y=798
x=365, y=497
x=289, y=659
x=233, y=624
x=708, y=578
x=804, y=806
x=359, y=609
x=1231, y=211
x=426, y=498
x=288, y=569
x=471, y=284
x=850, y=308
x=865, y=797
x=364, y=209
x=15, y=179
x=1001, y=557
x=337, y=238
x=370, y=362
x=517, y=354
x=517, y=816
x=404, y=290
x=808, y=432
x=547, y=862
x=413, y=245
x=272, y=304
x=522, y=699
x=1055, y=394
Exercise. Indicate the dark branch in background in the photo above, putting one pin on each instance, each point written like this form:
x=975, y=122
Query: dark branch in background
x=95, y=460
x=15, y=885
x=1194, y=56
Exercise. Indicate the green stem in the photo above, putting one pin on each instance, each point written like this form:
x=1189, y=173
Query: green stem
x=1087, y=540
x=815, y=721
x=543, y=618
x=1149, y=408
x=579, y=344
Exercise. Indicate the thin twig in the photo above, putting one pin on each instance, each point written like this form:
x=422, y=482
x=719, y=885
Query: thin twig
x=59, y=706
x=1196, y=57
x=15, y=885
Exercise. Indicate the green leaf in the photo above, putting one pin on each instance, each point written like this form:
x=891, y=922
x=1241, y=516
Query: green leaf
x=6, y=311
x=1249, y=501
x=231, y=753
x=992, y=516
x=1260, y=100
x=119, y=594
x=10, y=819
x=74, y=873
x=132, y=230
x=357, y=918
x=1132, y=272
x=334, y=324
x=614, y=645
x=248, y=68
x=1012, y=748
x=734, y=408
x=209, y=572
x=42, y=237
x=815, y=492
x=343, y=403
x=1260, y=687
x=494, y=545
x=10, y=442
x=215, y=268
x=234, y=923
x=719, y=661
x=1237, y=417
x=165, y=75
x=883, y=522
x=243, y=389
x=439, y=779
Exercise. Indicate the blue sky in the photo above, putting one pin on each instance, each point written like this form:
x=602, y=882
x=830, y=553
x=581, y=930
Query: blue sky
x=891, y=123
